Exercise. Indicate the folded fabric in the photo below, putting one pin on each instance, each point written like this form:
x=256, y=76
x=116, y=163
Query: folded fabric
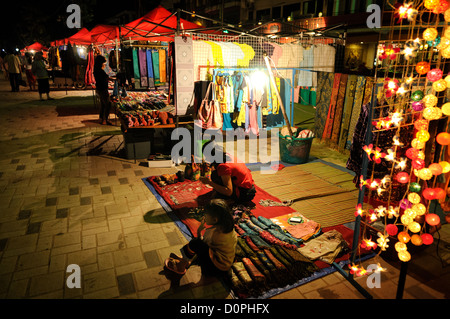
x=303, y=231
x=259, y=242
x=326, y=247
x=268, y=237
x=268, y=223
x=258, y=264
x=258, y=223
x=251, y=244
x=247, y=250
x=283, y=220
x=279, y=257
x=281, y=236
x=242, y=274
x=254, y=273
x=253, y=226
x=239, y=230
x=247, y=229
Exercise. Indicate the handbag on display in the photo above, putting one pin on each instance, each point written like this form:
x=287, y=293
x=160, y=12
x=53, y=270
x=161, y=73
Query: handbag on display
x=209, y=111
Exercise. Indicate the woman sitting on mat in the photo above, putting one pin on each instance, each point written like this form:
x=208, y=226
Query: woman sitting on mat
x=215, y=250
x=230, y=180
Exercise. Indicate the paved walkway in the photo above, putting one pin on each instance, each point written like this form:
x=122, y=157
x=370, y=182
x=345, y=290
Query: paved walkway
x=68, y=196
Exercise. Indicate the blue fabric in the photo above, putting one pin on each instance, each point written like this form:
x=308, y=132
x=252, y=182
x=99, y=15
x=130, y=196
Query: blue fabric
x=227, y=124
x=150, y=64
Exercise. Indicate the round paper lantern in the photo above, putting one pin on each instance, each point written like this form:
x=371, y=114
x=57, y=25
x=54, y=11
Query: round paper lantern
x=399, y=246
x=435, y=169
x=432, y=219
x=403, y=177
x=434, y=75
x=443, y=138
x=441, y=7
x=431, y=4
x=430, y=34
x=425, y=174
x=403, y=237
x=391, y=229
x=445, y=166
x=427, y=239
x=416, y=240
x=429, y=113
x=437, y=113
x=414, y=198
x=410, y=212
x=439, y=85
x=440, y=193
x=417, y=95
x=423, y=135
x=404, y=256
x=429, y=193
x=443, y=44
x=420, y=209
x=414, y=227
x=412, y=153
x=418, y=163
x=421, y=124
x=447, y=32
x=422, y=67
x=446, y=52
x=447, y=15
x=417, y=106
x=446, y=109
x=417, y=144
x=415, y=187
x=406, y=220
x=421, y=155
x=430, y=100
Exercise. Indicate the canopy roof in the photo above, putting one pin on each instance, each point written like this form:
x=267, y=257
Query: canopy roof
x=103, y=34
x=81, y=37
x=36, y=46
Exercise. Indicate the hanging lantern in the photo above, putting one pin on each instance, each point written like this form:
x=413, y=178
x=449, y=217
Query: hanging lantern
x=412, y=153
x=437, y=113
x=445, y=42
x=422, y=67
x=447, y=32
x=417, y=106
x=423, y=135
x=429, y=113
x=435, y=169
x=416, y=240
x=404, y=256
x=410, y=212
x=430, y=34
x=391, y=229
x=432, y=219
x=430, y=100
x=446, y=52
x=414, y=198
x=445, y=166
x=431, y=4
x=406, y=220
x=414, y=187
x=418, y=163
x=425, y=174
x=443, y=138
x=440, y=85
x=414, y=227
x=427, y=239
x=403, y=177
x=399, y=246
x=420, y=209
x=429, y=193
x=434, y=75
x=447, y=15
x=417, y=95
x=440, y=193
x=421, y=124
x=446, y=109
x=403, y=237
x=417, y=144
x=441, y=7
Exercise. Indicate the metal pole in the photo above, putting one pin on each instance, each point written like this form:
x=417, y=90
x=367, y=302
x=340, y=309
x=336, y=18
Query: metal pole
x=401, y=280
x=272, y=80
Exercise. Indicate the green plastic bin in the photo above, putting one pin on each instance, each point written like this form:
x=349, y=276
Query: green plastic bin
x=294, y=150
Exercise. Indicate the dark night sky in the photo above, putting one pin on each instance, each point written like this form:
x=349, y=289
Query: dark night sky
x=24, y=22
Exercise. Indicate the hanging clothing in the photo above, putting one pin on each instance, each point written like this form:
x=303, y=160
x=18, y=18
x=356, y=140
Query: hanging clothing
x=143, y=67
x=305, y=78
x=89, y=76
x=203, y=56
x=136, y=64
x=162, y=66
x=155, y=60
x=151, y=77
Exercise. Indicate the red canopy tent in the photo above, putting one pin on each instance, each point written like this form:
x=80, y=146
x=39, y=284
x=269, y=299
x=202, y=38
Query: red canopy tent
x=104, y=34
x=35, y=47
x=82, y=37
x=157, y=25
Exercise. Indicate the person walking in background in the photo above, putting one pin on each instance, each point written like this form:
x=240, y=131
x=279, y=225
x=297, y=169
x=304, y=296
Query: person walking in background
x=39, y=69
x=31, y=79
x=14, y=70
x=101, y=88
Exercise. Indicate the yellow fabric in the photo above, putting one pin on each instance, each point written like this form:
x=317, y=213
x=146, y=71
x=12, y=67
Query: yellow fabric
x=217, y=53
x=248, y=52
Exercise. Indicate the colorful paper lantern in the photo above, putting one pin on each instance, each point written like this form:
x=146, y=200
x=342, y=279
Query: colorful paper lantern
x=445, y=166
x=417, y=144
x=441, y=7
x=443, y=138
x=412, y=153
x=440, y=193
x=430, y=100
x=447, y=15
x=420, y=209
x=425, y=174
x=427, y=239
x=414, y=227
x=429, y=113
x=391, y=229
x=432, y=219
x=403, y=177
x=403, y=237
x=447, y=32
x=422, y=67
x=416, y=240
x=421, y=124
x=404, y=256
x=429, y=193
x=435, y=169
x=406, y=220
x=410, y=212
x=423, y=135
x=417, y=95
x=434, y=75
x=430, y=34
x=415, y=187
x=446, y=109
x=440, y=85
x=399, y=246
x=414, y=198
x=418, y=106
x=446, y=52
x=445, y=42
x=431, y=4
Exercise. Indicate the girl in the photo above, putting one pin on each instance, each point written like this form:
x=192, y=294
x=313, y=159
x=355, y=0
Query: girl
x=215, y=250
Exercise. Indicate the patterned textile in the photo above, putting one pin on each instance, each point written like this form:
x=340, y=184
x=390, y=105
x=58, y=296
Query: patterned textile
x=260, y=243
x=258, y=223
x=281, y=236
x=242, y=274
x=324, y=87
x=143, y=67
x=325, y=247
x=347, y=112
x=243, y=244
x=339, y=109
x=261, y=268
x=254, y=273
x=251, y=244
x=162, y=65
x=368, y=91
x=332, y=108
x=357, y=104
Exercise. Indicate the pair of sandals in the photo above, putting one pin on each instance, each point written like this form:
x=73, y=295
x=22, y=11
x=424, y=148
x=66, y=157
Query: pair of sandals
x=176, y=264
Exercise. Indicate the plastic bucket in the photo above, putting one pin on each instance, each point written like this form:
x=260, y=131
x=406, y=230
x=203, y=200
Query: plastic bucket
x=294, y=150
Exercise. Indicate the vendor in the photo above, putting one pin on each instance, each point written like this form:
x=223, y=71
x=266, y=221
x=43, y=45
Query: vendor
x=230, y=180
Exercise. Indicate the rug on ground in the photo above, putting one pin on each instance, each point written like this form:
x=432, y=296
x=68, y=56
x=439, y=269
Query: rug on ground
x=278, y=248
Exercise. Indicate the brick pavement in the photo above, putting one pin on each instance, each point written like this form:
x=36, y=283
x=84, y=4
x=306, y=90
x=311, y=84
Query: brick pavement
x=68, y=197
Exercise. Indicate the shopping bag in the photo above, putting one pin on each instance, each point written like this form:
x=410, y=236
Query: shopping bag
x=206, y=111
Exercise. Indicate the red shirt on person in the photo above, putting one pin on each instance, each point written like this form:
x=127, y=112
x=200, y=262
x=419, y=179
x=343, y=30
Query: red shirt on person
x=241, y=176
